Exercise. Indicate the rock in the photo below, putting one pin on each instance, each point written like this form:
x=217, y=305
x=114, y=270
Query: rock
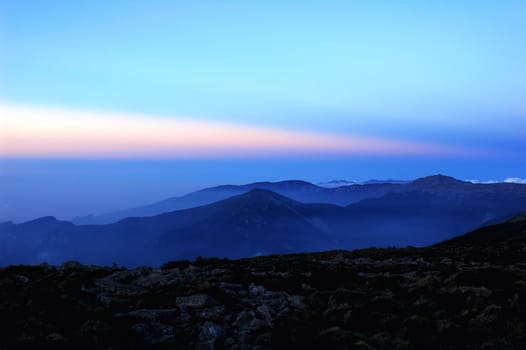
x=21, y=278
x=244, y=318
x=231, y=286
x=446, y=261
x=195, y=301
x=264, y=340
x=184, y=321
x=338, y=259
x=264, y=313
x=215, y=313
x=336, y=337
x=419, y=330
x=386, y=304
x=405, y=299
x=306, y=287
x=487, y=321
x=150, y=315
x=363, y=345
x=424, y=304
x=118, y=284
x=151, y=280
x=296, y=301
x=91, y=327
x=210, y=336
x=490, y=277
x=255, y=290
x=248, y=326
x=218, y=272
x=56, y=338
x=71, y=265
x=382, y=340
x=155, y=333
x=109, y=301
x=427, y=283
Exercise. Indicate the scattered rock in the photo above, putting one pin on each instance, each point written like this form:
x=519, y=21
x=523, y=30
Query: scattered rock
x=56, y=338
x=150, y=315
x=255, y=290
x=195, y=301
x=210, y=336
x=155, y=333
x=415, y=298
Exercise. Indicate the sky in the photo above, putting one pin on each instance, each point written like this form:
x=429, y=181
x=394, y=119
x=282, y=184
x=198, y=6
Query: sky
x=110, y=104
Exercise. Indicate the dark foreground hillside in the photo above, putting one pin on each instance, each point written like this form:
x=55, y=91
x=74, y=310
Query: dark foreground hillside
x=451, y=296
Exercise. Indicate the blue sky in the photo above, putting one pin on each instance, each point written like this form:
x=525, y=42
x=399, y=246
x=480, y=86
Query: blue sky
x=448, y=74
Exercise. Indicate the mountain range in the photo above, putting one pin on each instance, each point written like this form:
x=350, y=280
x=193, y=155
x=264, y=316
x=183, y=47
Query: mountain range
x=258, y=221
x=295, y=189
x=340, y=192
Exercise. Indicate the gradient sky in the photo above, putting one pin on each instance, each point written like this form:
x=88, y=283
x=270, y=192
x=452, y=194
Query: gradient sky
x=110, y=104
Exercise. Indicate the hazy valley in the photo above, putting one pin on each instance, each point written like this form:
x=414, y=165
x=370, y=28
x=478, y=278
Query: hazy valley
x=269, y=218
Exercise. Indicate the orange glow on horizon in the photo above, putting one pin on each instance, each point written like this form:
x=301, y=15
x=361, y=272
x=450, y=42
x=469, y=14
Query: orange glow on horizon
x=49, y=132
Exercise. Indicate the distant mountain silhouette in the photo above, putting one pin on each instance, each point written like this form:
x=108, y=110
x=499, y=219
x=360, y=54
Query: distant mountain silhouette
x=198, y=198
x=423, y=212
x=436, y=208
x=298, y=190
x=257, y=222
x=388, y=181
x=437, y=181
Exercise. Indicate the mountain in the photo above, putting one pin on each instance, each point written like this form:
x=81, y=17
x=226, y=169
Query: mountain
x=512, y=233
x=388, y=181
x=298, y=190
x=198, y=198
x=420, y=213
x=437, y=181
x=340, y=183
x=257, y=222
x=435, y=209
x=29, y=242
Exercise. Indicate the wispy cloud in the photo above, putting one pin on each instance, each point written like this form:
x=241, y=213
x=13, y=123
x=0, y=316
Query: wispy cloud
x=516, y=180
x=484, y=182
x=47, y=132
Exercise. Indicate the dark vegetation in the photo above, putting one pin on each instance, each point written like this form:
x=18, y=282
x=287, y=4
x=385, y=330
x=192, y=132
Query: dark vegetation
x=466, y=293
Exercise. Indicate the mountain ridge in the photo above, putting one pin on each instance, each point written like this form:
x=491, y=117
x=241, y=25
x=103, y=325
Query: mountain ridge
x=260, y=221
x=299, y=190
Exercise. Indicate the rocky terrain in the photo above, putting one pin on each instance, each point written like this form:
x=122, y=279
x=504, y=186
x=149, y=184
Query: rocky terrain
x=456, y=295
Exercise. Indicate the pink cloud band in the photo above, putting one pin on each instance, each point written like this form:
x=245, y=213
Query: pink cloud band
x=48, y=132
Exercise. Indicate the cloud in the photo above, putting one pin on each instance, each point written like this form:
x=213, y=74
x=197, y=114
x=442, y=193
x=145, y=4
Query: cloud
x=475, y=181
x=516, y=180
x=49, y=132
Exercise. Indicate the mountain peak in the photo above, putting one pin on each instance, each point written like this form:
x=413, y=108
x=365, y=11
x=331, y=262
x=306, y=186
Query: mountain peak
x=283, y=185
x=261, y=194
x=46, y=222
x=437, y=180
x=259, y=198
x=43, y=220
